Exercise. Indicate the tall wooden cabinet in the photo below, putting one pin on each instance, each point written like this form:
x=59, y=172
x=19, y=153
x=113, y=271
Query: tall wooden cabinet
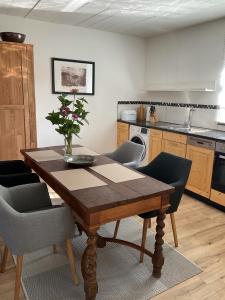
x=17, y=100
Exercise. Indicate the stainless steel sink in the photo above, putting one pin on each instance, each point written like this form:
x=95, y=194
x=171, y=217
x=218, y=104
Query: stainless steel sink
x=186, y=129
x=197, y=130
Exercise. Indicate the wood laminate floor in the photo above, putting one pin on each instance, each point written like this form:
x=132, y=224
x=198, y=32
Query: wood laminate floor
x=201, y=235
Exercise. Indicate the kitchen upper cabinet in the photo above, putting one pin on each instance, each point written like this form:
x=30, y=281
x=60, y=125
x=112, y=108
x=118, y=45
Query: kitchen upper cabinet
x=185, y=60
x=155, y=144
x=200, y=176
x=17, y=102
x=122, y=133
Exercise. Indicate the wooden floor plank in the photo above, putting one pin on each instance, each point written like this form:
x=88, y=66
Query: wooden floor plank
x=201, y=236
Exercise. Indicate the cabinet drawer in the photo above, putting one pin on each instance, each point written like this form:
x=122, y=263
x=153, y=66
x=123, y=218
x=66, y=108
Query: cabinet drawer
x=217, y=197
x=174, y=148
x=176, y=137
x=155, y=133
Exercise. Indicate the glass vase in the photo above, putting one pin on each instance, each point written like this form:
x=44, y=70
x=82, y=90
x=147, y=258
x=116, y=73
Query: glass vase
x=68, y=146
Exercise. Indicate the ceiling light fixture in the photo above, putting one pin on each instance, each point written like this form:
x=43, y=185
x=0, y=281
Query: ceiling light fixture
x=75, y=4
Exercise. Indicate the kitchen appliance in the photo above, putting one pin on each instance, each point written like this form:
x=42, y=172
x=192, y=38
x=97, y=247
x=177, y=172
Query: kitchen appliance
x=128, y=115
x=141, y=135
x=218, y=180
x=201, y=142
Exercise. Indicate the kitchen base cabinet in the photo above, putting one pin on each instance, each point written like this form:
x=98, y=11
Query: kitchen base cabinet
x=155, y=144
x=174, y=148
x=122, y=133
x=217, y=197
x=200, y=176
x=174, y=143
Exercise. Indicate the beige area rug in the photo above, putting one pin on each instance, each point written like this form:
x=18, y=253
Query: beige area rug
x=120, y=276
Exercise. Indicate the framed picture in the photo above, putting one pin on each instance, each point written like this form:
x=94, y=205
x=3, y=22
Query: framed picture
x=68, y=74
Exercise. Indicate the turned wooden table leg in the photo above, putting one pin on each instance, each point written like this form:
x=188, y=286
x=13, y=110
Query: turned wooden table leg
x=88, y=266
x=158, y=259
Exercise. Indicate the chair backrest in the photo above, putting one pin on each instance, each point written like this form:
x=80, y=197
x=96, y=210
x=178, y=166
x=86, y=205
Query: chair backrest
x=170, y=169
x=128, y=152
x=13, y=167
x=8, y=215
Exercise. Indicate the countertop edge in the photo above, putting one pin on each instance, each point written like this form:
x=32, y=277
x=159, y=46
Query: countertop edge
x=157, y=127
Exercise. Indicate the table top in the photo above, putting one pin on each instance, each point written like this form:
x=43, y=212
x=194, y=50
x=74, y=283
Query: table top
x=96, y=198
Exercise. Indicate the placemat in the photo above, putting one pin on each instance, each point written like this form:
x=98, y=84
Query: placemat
x=116, y=172
x=83, y=151
x=44, y=155
x=77, y=179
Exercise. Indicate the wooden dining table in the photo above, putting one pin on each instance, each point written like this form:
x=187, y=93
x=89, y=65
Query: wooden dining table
x=96, y=206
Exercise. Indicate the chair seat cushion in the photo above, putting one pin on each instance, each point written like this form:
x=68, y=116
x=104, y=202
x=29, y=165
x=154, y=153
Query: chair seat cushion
x=148, y=215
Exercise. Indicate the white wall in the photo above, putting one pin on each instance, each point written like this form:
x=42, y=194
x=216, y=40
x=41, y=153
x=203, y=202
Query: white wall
x=120, y=67
x=192, y=54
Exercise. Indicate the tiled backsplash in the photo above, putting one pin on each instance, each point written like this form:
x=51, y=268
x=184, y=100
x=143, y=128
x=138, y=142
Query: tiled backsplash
x=203, y=115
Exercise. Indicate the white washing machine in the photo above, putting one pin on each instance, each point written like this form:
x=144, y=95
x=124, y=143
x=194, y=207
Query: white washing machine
x=141, y=135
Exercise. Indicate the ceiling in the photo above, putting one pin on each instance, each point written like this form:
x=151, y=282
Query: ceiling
x=143, y=18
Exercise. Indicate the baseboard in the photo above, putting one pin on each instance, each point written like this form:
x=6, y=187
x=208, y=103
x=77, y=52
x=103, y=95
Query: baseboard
x=205, y=200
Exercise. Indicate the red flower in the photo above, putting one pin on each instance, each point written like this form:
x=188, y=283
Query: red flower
x=75, y=116
x=74, y=91
x=64, y=110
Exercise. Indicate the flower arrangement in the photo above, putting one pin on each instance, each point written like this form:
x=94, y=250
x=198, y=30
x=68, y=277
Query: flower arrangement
x=70, y=117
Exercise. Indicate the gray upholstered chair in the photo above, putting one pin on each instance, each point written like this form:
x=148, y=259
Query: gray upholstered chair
x=29, y=222
x=173, y=170
x=129, y=154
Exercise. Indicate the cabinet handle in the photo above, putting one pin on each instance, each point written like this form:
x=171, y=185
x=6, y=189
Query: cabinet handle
x=173, y=143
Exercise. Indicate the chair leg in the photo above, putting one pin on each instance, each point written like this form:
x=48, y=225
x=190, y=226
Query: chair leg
x=172, y=218
x=54, y=248
x=150, y=223
x=144, y=235
x=19, y=266
x=116, y=229
x=72, y=261
x=79, y=227
x=4, y=259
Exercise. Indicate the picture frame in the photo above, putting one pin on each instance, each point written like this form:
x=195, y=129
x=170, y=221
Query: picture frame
x=68, y=74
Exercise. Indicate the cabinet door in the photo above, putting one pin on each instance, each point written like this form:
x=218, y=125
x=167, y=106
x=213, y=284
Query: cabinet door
x=175, y=137
x=200, y=176
x=122, y=133
x=17, y=105
x=174, y=148
x=155, y=147
x=12, y=132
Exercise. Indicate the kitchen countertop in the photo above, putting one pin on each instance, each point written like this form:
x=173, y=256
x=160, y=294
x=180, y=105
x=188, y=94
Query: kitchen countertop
x=206, y=133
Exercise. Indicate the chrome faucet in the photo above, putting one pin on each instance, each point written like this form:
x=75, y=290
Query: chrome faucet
x=189, y=120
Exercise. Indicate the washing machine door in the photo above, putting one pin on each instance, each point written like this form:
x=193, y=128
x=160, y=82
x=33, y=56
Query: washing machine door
x=139, y=140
